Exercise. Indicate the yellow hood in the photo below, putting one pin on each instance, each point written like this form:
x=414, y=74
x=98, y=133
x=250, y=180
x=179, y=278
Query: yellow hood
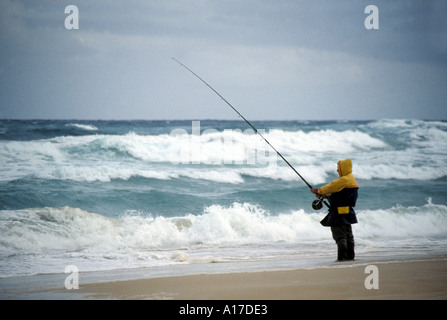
x=346, y=180
x=344, y=167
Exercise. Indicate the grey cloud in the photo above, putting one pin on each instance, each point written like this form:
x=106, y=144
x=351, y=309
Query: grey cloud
x=275, y=59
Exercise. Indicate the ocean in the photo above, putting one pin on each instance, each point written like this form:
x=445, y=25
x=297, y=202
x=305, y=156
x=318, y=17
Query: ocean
x=212, y=195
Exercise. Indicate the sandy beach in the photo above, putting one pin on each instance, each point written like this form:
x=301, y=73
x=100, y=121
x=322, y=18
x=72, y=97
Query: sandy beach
x=397, y=279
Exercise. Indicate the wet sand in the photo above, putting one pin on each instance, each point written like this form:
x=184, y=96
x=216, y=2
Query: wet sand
x=397, y=279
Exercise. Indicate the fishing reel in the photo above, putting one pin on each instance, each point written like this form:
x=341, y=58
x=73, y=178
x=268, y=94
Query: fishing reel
x=318, y=204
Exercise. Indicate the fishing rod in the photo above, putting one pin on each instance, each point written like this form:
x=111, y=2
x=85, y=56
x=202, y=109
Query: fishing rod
x=317, y=204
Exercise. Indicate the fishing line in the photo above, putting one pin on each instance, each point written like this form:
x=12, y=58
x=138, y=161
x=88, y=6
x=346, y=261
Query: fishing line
x=256, y=130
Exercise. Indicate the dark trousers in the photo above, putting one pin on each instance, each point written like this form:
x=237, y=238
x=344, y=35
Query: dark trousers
x=345, y=242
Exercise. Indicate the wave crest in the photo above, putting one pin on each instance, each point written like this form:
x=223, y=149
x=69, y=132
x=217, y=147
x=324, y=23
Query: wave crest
x=47, y=239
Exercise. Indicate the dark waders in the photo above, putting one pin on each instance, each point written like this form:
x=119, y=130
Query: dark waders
x=345, y=242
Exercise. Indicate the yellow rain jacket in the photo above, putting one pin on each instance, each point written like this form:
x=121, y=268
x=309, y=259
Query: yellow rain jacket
x=342, y=194
x=346, y=180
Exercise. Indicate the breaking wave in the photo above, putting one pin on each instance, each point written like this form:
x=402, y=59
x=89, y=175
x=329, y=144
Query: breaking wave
x=238, y=231
x=377, y=154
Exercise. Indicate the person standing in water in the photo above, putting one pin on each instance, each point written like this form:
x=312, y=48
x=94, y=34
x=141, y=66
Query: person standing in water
x=342, y=194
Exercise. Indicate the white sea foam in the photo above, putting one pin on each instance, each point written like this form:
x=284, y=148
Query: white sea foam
x=45, y=239
x=188, y=167
x=325, y=141
x=405, y=123
x=228, y=155
x=87, y=127
x=399, y=171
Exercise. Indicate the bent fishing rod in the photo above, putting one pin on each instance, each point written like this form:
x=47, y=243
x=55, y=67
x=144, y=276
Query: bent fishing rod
x=317, y=204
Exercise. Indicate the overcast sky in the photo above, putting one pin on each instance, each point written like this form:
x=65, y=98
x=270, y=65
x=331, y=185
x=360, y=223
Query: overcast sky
x=272, y=59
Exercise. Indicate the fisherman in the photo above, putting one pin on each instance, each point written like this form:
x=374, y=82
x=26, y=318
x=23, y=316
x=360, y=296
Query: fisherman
x=342, y=195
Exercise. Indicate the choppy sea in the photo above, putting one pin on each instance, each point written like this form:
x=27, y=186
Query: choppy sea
x=113, y=195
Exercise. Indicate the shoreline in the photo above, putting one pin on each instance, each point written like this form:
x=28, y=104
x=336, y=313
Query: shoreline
x=399, y=279
x=404, y=279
